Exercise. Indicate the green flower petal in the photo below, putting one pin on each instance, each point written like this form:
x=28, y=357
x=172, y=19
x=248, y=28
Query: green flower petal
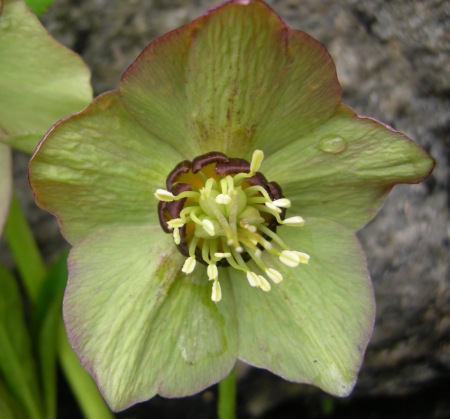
x=314, y=326
x=343, y=170
x=238, y=79
x=100, y=168
x=5, y=183
x=139, y=325
x=40, y=80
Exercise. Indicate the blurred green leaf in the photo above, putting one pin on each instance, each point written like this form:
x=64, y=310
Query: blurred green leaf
x=46, y=323
x=26, y=253
x=39, y=7
x=41, y=81
x=9, y=409
x=16, y=362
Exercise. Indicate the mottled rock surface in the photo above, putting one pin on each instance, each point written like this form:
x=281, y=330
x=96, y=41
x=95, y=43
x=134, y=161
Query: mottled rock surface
x=393, y=61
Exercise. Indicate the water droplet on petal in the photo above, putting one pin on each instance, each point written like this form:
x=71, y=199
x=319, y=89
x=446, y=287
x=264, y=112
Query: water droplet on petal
x=333, y=144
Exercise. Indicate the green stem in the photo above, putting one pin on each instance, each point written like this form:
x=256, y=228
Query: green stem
x=24, y=249
x=226, y=406
x=33, y=272
x=80, y=381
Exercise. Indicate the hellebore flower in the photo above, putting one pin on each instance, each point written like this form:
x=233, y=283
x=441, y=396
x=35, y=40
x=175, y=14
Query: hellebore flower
x=179, y=149
x=41, y=81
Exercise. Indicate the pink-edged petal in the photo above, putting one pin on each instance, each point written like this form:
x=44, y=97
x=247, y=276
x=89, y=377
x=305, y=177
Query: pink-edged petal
x=139, y=325
x=314, y=326
x=100, y=168
x=343, y=169
x=237, y=79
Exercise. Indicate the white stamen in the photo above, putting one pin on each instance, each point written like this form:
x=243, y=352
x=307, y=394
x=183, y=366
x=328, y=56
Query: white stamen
x=164, y=195
x=222, y=255
x=189, y=265
x=212, y=271
x=175, y=223
x=273, y=207
x=296, y=221
x=223, y=199
x=274, y=275
x=257, y=158
x=304, y=258
x=253, y=279
x=209, y=227
x=264, y=283
x=282, y=203
x=176, y=236
x=289, y=258
x=216, y=294
x=249, y=227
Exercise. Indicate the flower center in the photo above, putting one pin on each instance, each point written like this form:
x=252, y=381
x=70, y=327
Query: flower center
x=222, y=212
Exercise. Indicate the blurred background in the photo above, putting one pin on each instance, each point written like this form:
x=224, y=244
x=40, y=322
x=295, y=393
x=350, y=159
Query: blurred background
x=393, y=62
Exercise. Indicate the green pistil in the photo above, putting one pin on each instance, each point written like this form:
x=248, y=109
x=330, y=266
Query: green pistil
x=229, y=223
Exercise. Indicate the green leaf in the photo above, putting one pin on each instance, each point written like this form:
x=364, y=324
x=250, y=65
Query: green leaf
x=83, y=386
x=26, y=253
x=5, y=184
x=31, y=101
x=39, y=6
x=16, y=363
x=343, y=170
x=46, y=324
x=237, y=78
x=139, y=325
x=100, y=168
x=314, y=326
x=9, y=409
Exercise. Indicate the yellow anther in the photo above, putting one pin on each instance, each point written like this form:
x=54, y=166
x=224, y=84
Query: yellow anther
x=289, y=258
x=216, y=294
x=304, y=258
x=296, y=221
x=208, y=226
x=222, y=255
x=223, y=199
x=273, y=207
x=176, y=236
x=274, y=275
x=253, y=279
x=264, y=283
x=176, y=223
x=164, y=195
x=189, y=265
x=257, y=158
x=282, y=203
x=212, y=271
